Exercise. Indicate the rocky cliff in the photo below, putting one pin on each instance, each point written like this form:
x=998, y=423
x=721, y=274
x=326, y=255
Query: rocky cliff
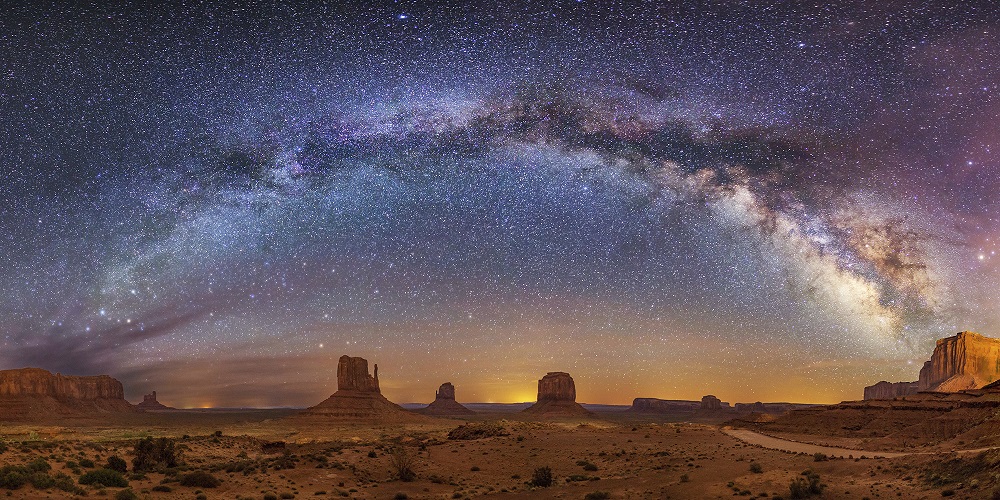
x=39, y=382
x=965, y=361
x=654, y=405
x=711, y=402
x=444, y=403
x=352, y=375
x=39, y=395
x=890, y=390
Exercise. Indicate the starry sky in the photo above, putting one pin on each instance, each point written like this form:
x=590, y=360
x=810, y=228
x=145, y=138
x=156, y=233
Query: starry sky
x=777, y=201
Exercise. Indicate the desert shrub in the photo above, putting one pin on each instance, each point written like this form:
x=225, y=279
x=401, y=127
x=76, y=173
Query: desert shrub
x=104, y=477
x=807, y=486
x=151, y=454
x=286, y=495
x=947, y=493
x=39, y=465
x=372, y=454
x=401, y=463
x=3, y=446
x=820, y=457
x=126, y=495
x=756, y=468
x=270, y=496
x=116, y=463
x=475, y=468
x=13, y=477
x=200, y=479
x=162, y=488
x=542, y=477
x=597, y=495
x=478, y=430
x=400, y=496
x=86, y=463
x=41, y=480
x=685, y=478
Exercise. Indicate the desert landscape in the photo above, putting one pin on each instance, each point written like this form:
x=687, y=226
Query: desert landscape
x=77, y=436
x=533, y=249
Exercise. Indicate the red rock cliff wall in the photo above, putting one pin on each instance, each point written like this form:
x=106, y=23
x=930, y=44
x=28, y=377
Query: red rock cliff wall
x=38, y=382
x=967, y=354
x=556, y=386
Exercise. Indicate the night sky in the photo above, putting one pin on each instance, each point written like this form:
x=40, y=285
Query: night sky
x=779, y=203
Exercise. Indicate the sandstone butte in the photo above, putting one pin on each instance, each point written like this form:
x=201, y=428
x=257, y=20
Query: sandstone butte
x=557, y=397
x=358, y=397
x=150, y=403
x=965, y=361
x=38, y=393
x=444, y=403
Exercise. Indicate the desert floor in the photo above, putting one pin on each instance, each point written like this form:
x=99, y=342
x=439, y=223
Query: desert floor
x=264, y=454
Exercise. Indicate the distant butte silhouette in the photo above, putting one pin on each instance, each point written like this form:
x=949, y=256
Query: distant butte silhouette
x=149, y=403
x=557, y=397
x=444, y=403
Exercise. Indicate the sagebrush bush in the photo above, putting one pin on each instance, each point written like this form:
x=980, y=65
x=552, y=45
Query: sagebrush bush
x=104, y=477
x=542, y=477
x=151, y=454
x=200, y=479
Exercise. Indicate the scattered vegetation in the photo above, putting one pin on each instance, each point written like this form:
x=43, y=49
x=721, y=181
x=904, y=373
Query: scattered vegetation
x=597, y=495
x=820, y=457
x=756, y=468
x=542, y=477
x=200, y=479
x=116, y=463
x=151, y=454
x=401, y=463
x=104, y=477
x=805, y=486
x=126, y=495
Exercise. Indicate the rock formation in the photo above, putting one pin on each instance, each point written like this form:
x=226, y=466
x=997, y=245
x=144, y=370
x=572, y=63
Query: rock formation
x=34, y=393
x=444, y=403
x=965, y=361
x=39, y=382
x=358, y=397
x=890, y=390
x=711, y=403
x=653, y=405
x=150, y=403
x=557, y=397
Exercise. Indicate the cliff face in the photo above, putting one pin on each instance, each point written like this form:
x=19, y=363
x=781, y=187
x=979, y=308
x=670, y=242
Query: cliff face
x=890, y=390
x=444, y=403
x=966, y=361
x=38, y=382
x=556, y=386
x=352, y=375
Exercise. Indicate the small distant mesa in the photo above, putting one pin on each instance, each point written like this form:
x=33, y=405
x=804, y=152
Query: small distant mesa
x=444, y=403
x=710, y=408
x=149, y=403
x=358, y=397
x=557, y=397
x=34, y=393
x=965, y=361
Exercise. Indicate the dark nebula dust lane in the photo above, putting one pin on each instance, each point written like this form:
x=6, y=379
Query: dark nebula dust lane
x=217, y=201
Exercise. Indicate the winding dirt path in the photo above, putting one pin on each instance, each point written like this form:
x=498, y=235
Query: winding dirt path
x=774, y=443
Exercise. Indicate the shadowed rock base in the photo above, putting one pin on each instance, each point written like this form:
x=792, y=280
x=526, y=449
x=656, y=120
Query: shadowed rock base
x=358, y=398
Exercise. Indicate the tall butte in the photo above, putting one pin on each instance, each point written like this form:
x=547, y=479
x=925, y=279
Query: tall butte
x=358, y=396
x=557, y=397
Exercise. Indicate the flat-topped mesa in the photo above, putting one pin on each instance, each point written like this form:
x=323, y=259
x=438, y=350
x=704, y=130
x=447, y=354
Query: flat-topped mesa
x=556, y=386
x=557, y=397
x=39, y=382
x=444, y=403
x=967, y=360
x=890, y=390
x=352, y=375
x=34, y=394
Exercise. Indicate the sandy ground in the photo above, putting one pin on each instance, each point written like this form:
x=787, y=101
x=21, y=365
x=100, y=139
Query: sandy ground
x=620, y=458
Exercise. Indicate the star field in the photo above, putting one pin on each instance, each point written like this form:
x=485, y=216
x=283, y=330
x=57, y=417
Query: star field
x=761, y=202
